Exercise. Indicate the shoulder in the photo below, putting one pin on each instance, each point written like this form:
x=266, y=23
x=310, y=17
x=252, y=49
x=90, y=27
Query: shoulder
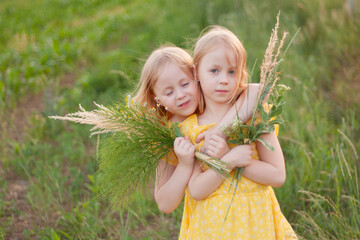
x=249, y=95
x=191, y=120
x=171, y=158
x=251, y=91
x=188, y=124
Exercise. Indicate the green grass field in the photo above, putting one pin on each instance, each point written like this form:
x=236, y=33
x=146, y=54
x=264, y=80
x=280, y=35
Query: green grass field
x=55, y=54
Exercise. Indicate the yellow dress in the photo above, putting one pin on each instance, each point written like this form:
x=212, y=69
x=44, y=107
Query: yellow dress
x=254, y=214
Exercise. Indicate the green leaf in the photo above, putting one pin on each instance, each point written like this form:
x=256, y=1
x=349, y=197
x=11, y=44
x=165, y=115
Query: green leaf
x=260, y=133
x=271, y=128
x=276, y=121
x=266, y=144
x=263, y=113
x=177, y=131
x=247, y=127
x=233, y=141
x=266, y=91
x=275, y=113
x=54, y=236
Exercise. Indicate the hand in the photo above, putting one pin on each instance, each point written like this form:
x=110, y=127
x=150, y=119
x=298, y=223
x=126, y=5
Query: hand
x=217, y=147
x=239, y=156
x=184, y=150
x=207, y=133
x=206, y=136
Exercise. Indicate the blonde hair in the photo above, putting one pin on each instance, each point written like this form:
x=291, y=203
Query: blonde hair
x=152, y=68
x=206, y=42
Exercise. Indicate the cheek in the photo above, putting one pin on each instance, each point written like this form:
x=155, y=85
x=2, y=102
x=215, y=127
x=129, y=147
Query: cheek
x=202, y=74
x=204, y=86
x=164, y=101
x=194, y=89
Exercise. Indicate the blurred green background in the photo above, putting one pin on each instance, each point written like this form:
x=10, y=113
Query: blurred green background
x=55, y=54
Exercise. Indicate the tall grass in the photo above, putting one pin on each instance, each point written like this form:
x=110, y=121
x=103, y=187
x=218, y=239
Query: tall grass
x=103, y=44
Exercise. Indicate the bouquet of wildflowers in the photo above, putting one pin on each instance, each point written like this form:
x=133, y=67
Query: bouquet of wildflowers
x=135, y=139
x=128, y=156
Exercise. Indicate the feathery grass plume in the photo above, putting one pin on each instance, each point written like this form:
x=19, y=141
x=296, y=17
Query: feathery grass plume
x=103, y=119
x=137, y=139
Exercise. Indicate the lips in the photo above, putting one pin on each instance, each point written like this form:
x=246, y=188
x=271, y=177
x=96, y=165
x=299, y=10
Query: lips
x=221, y=91
x=184, y=104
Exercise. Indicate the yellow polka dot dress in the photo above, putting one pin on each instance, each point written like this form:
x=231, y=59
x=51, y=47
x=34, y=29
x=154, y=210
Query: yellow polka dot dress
x=254, y=214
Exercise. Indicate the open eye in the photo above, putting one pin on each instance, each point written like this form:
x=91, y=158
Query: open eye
x=231, y=72
x=214, y=70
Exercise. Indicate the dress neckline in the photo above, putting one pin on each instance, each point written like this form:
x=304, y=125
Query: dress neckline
x=195, y=116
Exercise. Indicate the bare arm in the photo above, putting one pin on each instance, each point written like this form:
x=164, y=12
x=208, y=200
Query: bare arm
x=171, y=181
x=202, y=184
x=271, y=169
x=170, y=185
x=243, y=107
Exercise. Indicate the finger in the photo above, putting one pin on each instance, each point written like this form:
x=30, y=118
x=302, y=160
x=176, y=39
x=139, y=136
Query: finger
x=179, y=138
x=189, y=147
x=200, y=137
x=176, y=142
x=182, y=143
x=212, y=143
x=186, y=144
x=203, y=150
x=216, y=138
x=210, y=152
x=211, y=148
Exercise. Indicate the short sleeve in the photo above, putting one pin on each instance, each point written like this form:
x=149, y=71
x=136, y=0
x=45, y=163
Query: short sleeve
x=171, y=158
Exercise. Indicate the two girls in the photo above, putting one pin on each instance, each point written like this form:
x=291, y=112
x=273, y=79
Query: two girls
x=220, y=68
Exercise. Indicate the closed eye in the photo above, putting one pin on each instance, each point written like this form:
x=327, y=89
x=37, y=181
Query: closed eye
x=185, y=84
x=168, y=93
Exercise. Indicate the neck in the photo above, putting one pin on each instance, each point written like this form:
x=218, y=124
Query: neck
x=176, y=118
x=213, y=112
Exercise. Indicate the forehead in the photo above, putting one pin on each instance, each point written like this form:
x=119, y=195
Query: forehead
x=220, y=53
x=170, y=74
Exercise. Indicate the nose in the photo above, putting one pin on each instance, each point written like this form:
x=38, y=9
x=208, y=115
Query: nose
x=224, y=79
x=180, y=94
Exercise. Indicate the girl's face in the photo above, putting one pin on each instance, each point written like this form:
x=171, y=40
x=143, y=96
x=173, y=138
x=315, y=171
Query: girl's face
x=217, y=74
x=177, y=91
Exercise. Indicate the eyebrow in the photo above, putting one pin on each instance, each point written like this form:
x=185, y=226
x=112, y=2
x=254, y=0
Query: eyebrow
x=218, y=66
x=182, y=80
x=166, y=88
x=215, y=65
